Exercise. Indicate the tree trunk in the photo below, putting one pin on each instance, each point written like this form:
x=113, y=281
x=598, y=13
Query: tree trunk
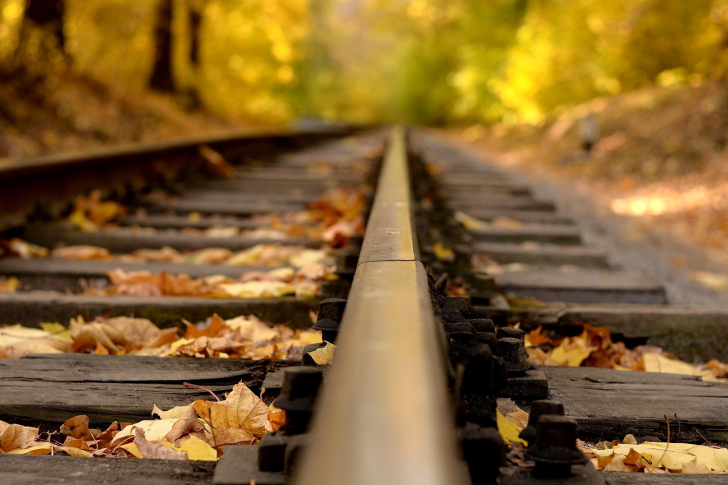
x=161, y=79
x=194, y=21
x=47, y=15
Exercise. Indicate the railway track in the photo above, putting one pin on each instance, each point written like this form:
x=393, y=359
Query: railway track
x=420, y=372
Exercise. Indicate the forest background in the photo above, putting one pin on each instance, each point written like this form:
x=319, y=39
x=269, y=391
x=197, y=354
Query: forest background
x=421, y=61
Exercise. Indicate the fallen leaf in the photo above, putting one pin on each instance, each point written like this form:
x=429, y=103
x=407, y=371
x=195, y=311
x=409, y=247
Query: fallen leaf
x=196, y=449
x=154, y=450
x=324, y=355
x=81, y=253
x=258, y=289
x=508, y=430
x=16, y=437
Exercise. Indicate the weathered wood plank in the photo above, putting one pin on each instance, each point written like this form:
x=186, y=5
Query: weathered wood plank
x=202, y=207
x=126, y=240
x=617, y=478
x=80, y=368
x=51, y=388
x=609, y=404
x=181, y=222
x=543, y=233
x=582, y=287
x=509, y=203
x=543, y=254
x=539, y=217
x=32, y=308
x=32, y=470
x=70, y=275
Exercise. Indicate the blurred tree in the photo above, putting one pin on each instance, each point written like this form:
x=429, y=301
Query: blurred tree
x=195, y=17
x=48, y=17
x=161, y=78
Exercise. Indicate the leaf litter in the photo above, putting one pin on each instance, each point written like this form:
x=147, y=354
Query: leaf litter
x=626, y=455
x=199, y=431
x=245, y=337
x=334, y=218
x=594, y=348
x=304, y=282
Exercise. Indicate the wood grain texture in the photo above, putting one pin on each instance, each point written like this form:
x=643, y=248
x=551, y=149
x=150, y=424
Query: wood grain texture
x=32, y=470
x=609, y=404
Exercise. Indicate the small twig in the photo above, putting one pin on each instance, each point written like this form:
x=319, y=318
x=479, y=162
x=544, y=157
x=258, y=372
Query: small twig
x=701, y=435
x=668, y=440
x=189, y=384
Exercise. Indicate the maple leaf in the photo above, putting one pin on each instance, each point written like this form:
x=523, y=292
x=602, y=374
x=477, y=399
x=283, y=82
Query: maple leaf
x=242, y=418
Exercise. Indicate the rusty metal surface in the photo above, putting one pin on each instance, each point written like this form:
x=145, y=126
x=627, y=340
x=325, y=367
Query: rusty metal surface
x=384, y=416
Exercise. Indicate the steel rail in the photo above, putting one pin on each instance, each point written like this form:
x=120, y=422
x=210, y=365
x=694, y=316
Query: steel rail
x=384, y=415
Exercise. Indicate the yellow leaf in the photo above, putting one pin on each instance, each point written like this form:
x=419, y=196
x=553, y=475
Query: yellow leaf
x=39, y=449
x=324, y=355
x=176, y=412
x=174, y=346
x=14, y=334
x=132, y=449
x=58, y=331
x=443, y=253
x=154, y=430
x=571, y=352
x=508, y=430
x=258, y=289
x=195, y=448
x=306, y=257
x=677, y=454
x=655, y=362
x=469, y=222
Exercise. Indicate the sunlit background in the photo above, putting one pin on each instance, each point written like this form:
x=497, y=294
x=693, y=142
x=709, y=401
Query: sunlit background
x=425, y=61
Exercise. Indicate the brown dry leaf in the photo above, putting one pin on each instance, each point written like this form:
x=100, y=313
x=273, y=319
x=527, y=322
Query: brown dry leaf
x=156, y=450
x=81, y=252
x=9, y=285
x=16, y=437
x=240, y=418
x=39, y=346
x=187, y=424
x=210, y=256
x=77, y=428
x=536, y=337
x=216, y=326
x=634, y=458
x=91, y=335
x=617, y=464
x=164, y=255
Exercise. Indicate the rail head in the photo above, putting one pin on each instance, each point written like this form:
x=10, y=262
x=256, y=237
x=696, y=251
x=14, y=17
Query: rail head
x=384, y=416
